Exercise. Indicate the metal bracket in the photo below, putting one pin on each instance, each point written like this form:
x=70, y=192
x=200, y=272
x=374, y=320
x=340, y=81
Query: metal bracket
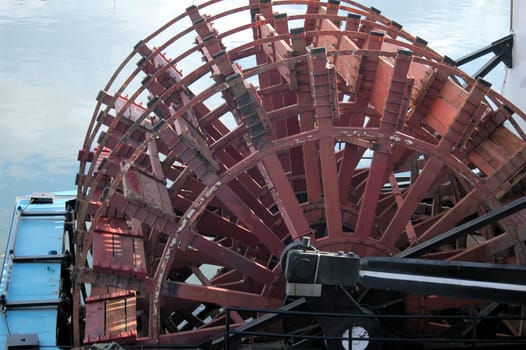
x=502, y=49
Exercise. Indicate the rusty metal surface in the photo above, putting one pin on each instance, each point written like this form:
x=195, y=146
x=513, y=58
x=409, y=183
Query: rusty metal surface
x=348, y=130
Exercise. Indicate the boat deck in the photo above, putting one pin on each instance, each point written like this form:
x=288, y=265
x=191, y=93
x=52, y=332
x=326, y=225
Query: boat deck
x=33, y=305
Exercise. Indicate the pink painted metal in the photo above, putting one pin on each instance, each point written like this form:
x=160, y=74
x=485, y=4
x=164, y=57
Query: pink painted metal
x=349, y=130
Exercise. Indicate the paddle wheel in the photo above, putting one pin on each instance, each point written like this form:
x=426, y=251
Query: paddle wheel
x=233, y=131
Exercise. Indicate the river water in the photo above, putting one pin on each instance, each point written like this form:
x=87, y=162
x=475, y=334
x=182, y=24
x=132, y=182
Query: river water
x=56, y=55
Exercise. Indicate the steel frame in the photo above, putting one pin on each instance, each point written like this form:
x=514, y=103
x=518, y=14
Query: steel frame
x=163, y=164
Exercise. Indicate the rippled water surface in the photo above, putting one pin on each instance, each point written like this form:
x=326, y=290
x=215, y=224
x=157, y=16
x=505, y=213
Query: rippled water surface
x=57, y=54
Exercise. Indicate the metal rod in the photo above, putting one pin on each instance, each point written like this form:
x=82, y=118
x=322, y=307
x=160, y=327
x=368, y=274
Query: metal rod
x=386, y=316
x=459, y=231
x=227, y=329
x=39, y=258
x=44, y=213
x=500, y=341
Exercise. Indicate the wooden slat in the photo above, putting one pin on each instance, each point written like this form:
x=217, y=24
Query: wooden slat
x=143, y=188
x=509, y=142
x=445, y=107
x=94, y=329
x=117, y=253
x=116, y=226
x=380, y=91
x=492, y=154
x=111, y=317
x=347, y=66
x=277, y=50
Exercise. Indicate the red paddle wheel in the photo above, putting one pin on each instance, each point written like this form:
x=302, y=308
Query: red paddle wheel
x=232, y=131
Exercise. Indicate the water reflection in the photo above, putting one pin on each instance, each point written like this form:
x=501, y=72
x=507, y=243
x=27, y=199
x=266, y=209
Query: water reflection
x=56, y=56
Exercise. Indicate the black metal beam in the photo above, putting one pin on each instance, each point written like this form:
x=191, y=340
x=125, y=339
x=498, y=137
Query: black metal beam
x=502, y=49
x=258, y=323
x=503, y=45
x=29, y=303
x=40, y=258
x=497, y=283
x=43, y=213
x=464, y=229
x=490, y=65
